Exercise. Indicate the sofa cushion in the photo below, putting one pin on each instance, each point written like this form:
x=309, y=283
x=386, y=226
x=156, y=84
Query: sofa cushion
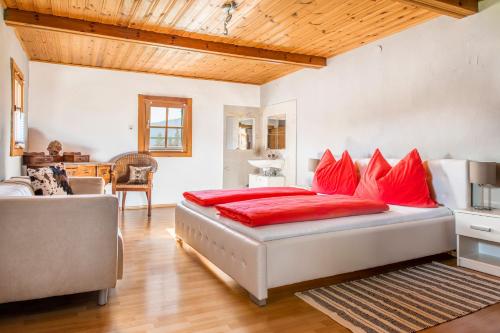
x=51, y=180
x=87, y=185
x=138, y=174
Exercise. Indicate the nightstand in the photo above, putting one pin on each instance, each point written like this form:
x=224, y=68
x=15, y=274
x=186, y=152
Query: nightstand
x=478, y=240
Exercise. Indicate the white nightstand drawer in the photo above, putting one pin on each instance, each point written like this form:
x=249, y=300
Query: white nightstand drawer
x=478, y=226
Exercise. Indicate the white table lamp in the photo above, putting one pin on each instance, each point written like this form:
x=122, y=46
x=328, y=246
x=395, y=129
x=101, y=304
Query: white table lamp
x=312, y=164
x=483, y=174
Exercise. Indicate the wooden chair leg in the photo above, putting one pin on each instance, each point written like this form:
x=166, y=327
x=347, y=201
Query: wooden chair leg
x=148, y=195
x=124, y=197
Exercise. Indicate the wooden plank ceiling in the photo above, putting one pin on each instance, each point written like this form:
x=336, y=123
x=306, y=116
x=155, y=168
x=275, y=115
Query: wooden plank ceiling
x=323, y=28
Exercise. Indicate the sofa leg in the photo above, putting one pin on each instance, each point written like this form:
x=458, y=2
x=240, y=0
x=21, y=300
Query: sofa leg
x=259, y=302
x=103, y=297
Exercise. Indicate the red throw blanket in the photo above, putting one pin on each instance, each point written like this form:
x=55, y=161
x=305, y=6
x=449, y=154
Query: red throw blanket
x=260, y=212
x=215, y=197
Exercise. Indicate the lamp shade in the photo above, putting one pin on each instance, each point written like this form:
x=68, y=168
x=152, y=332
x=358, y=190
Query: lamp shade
x=484, y=173
x=312, y=164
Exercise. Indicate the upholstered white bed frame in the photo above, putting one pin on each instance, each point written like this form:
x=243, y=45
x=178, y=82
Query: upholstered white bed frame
x=258, y=266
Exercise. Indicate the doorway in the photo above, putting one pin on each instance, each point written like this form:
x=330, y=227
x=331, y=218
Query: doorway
x=242, y=142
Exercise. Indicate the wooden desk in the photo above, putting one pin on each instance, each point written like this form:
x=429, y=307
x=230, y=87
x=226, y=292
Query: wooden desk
x=84, y=169
x=94, y=169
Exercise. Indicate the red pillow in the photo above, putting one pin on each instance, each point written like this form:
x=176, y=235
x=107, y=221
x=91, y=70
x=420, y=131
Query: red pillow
x=376, y=169
x=335, y=177
x=406, y=184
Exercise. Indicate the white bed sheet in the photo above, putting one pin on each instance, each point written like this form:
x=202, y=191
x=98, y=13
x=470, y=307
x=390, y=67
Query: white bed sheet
x=396, y=214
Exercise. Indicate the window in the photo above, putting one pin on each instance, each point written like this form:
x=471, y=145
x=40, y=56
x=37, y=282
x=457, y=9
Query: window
x=17, y=128
x=165, y=126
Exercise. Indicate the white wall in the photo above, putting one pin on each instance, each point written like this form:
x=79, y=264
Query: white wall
x=435, y=86
x=90, y=110
x=9, y=48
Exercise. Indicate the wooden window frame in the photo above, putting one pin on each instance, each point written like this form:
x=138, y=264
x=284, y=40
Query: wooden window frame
x=146, y=101
x=16, y=75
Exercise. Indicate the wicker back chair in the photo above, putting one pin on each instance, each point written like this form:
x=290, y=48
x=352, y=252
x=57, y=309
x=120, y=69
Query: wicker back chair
x=121, y=173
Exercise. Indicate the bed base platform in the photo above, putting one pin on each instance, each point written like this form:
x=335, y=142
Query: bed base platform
x=259, y=266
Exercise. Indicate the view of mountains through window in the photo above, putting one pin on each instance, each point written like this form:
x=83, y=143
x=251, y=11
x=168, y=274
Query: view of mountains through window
x=166, y=126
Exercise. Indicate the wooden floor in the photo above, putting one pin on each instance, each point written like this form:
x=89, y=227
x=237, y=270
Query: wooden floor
x=167, y=288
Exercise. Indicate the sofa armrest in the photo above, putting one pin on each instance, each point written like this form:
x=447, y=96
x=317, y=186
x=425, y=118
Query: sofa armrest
x=87, y=185
x=57, y=245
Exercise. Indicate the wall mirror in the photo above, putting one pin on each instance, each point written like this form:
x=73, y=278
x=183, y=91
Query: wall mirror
x=240, y=133
x=276, y=132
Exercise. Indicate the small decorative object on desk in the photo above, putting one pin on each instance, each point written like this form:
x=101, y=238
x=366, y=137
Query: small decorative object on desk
x=54, y=148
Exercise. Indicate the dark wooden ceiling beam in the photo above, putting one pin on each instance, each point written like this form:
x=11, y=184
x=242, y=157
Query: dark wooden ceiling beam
x=19, y=18
x=454, y=8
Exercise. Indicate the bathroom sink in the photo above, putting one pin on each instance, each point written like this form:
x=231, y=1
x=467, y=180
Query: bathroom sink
x=263, y=164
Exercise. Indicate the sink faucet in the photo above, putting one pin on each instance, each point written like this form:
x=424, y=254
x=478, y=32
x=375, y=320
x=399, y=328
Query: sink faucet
x=272, y=155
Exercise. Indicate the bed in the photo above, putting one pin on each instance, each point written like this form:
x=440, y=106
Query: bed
x=267, y=257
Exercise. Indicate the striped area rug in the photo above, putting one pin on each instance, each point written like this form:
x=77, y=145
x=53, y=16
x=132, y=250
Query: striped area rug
x=408, y=300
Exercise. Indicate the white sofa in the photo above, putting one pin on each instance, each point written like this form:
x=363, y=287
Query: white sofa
x=58, y=245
